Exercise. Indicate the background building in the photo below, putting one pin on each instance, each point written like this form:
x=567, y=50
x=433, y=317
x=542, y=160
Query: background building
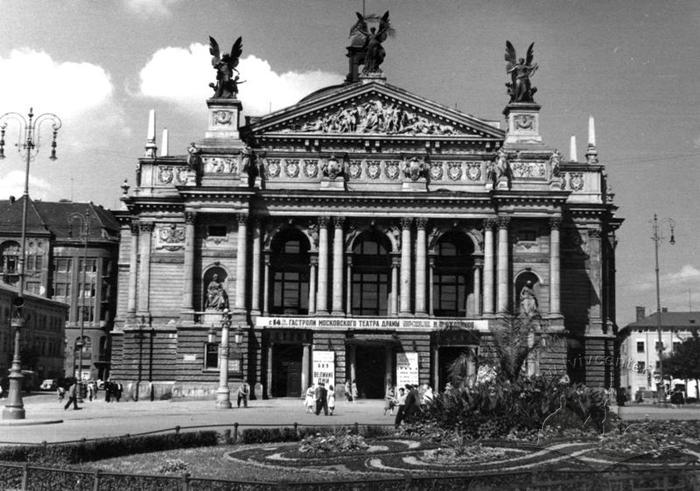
x=55, y=268
x=364, y=233
x=639, y=352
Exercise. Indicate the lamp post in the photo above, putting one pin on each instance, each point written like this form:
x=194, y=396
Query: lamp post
x=660, y=345
x=223, y=394
x=28, y=144
x=80, y=343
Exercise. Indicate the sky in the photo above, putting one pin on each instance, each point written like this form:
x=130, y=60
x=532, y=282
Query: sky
x=632, y=64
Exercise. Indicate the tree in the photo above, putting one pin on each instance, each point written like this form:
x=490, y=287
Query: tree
x=684, y=362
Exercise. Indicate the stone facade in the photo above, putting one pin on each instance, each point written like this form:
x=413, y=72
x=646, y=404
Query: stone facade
x=366, y=234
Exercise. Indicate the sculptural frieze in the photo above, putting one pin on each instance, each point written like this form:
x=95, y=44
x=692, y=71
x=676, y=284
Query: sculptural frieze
x=220, y=165
x=291, y=168
x=355, y=169
x=332, y=167
x=170, y=238
x=414, y=168
x=272, y=167
x=371, y=39
x=375, y=116
x=454, y=171
x=227, y=75
x=436, y=171
x=391, y=169
x=165, y=175
x=474, y=171
x=520, y=71
x=576, y=181
x=311, y=168
x=374, y=169
x=529, y=170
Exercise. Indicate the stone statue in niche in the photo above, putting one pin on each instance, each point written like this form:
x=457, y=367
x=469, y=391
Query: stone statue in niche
x=528, y=300
x=217, y=299
x=226, y=86
x=520, y=71
x=373, y=38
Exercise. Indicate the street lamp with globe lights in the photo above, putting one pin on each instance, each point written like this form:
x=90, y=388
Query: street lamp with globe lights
x=28, y=144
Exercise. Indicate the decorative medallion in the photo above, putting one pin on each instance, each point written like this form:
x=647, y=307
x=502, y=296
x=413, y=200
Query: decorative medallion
x=529, y=170
x=392, y=169
x=373, y=169
x=291, y=167
x=454, y=170
x=181, y=174
x=524, y=122
x=474, y=171
x=171, y=238
x=165, y=175
x=355, y=169
x=436, y=171
x=273, y=167
x=414, y=168
x=223, y=117
x=576, y=181
x=311, y=168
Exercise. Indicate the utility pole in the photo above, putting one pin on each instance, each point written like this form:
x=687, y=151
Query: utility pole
x=660, y=345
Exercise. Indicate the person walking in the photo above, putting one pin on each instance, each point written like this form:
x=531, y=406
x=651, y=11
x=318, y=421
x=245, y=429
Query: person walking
x=331, y=399
x=401, y=399
x=355, y=392
x=310, y=399
x=118, y=389
x=321, y=399
x=243, y=392
x=389, y=400
x=412, y=402
x=72, y=396
x=348, y=391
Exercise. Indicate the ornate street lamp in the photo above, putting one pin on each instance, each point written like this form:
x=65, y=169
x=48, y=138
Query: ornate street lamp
x=223, y=394
x=660, y=348
x=28, y=145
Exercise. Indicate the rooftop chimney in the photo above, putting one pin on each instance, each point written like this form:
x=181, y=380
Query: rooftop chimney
x=640, y=313
x=664, y=309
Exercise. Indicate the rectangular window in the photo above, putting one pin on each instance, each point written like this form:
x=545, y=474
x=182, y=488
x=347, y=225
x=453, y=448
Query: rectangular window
x=61, y=289
x=640, y=346
x=211, y=356
x=62, y=264
x=658, y=346
x=91, y=266
x=641, y=366
x=33, y=287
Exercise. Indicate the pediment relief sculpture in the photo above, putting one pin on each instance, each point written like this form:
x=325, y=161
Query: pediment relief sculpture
x=375, y=116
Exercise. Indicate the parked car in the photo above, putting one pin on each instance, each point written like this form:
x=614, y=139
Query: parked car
x=49, y=384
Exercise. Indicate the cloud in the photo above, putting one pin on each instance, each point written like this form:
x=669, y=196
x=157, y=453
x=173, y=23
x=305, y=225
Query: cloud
x=12, y=184
x=687, y=275
x=678, y=289
x=182, y=76
x=150, y=8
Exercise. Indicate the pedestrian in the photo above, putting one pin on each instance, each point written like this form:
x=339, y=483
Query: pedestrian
x=331, y=399
x=109, y=388
x=389, y=400
x=412, y=403
x=310, y=399
x=243, y=392
x=91, y=390
x=355, y=392
x=401, y=404
x=321, y=399
x=61, y=392
x=428, y=395
x=118, y=389
x=72, y=396
x=348, y=391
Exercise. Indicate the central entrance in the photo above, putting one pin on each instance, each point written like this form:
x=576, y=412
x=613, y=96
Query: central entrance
x=370, y=369
x=286, y=367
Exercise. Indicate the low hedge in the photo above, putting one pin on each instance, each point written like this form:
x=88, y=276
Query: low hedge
x=278, y=435
x=86, y=451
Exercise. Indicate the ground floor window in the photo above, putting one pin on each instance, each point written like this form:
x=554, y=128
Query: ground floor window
x=211, y=356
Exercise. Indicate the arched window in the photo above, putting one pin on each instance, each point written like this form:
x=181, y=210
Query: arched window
x=371, y=270
x=452, y=275
x=290, y=273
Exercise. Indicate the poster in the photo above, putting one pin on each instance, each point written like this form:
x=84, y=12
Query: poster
x=406, y=369
x=323, y=370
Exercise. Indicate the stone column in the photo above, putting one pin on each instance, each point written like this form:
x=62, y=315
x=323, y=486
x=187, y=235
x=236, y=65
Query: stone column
x=322, y=294
x=338, y=265
x=313, y=263
x=503, y=266
x=405, y=308
x=554, y=266
x=395, y=263
x=144, y=282
x=266, y=285
x=305, y=375
x=241, y=260
x=133, y=266
x=348, y=285
x=421, y=259
x=477, y=290
x=489, y=225
x=268, y=375
x=431, y=286
x=188, y=265
x=255, y=273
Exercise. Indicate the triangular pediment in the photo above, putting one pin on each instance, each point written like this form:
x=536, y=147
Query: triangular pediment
x=373, y=109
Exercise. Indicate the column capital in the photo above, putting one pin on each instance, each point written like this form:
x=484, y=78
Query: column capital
x=190, y=217
x=313, y=260
x=490, y=223
x=431, y=261
x=242, y=218
x=268, y=259
x=406, y=222
x=146, y=226
x=504, y=222
x=555, y=223
x=348, y=260
x=395, y=261
x=478, y=263
x=338, y=222
x=134, y=226
x=323, y=222
x=421, y=223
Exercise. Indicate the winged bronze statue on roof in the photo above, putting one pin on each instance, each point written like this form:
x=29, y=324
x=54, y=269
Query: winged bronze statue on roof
x=226, y=86
x=520, y=70
x=372, y=39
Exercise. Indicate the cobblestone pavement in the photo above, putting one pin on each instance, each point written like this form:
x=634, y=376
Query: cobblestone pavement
x=99, y=419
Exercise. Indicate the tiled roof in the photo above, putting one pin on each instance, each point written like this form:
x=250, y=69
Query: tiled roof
x=11, y=217
x=668, y=319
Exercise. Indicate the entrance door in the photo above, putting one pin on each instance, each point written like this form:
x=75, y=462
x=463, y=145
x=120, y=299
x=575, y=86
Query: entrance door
x=370, y=370
x=286, y=370
x=447, y=357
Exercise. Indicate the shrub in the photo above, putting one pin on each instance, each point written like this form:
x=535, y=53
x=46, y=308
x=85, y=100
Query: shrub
x=172, y=466
x=338, y=442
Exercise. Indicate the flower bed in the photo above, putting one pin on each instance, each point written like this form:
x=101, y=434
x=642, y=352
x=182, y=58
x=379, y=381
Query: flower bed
x=465, y=455
x=339, y=443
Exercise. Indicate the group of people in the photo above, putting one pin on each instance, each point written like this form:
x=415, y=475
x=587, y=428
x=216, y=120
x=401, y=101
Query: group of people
x=350, y=390
x=406, y=401
x=113, y=391
x=317, y=398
